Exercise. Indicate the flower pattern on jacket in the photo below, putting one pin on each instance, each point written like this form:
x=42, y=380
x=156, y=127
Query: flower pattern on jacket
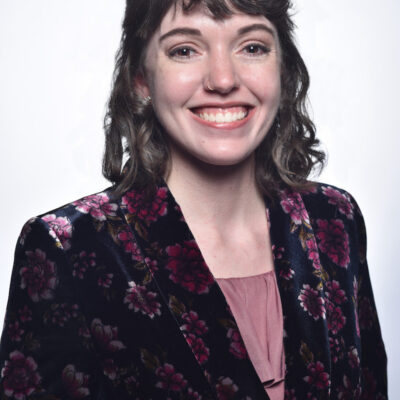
x=75, y=382
x=97, y=205
x=169, y=379
x=143, y=209
x=111, y=298
x=292, y=205
x=140, y=299
x=339, y=199
x=61, y=229
x=312, y=302
x=334, y=241
x=20, y=376
x=188, y=268
x=318, y=377
x=106, y=336
x=39, y=277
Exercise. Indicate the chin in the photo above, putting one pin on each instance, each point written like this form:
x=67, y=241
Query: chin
x=224, y=160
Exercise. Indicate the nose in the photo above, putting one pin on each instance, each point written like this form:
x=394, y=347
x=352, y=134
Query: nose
x=222, y=74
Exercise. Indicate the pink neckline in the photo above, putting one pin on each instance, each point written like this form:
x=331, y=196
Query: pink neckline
x=272, y=272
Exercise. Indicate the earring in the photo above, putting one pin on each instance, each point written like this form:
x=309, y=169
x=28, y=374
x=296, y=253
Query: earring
x=147, y=100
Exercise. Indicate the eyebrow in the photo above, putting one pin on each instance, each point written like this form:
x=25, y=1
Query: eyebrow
x=196, y=32
x=256, y=27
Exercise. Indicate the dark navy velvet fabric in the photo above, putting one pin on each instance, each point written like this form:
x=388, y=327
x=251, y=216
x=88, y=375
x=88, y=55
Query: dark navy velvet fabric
x=110, y=298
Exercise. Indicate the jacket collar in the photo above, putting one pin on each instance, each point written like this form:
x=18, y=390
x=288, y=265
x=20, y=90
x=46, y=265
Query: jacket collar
x=175, y=263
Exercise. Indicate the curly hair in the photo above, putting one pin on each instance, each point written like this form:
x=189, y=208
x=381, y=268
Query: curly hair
x=136, y=152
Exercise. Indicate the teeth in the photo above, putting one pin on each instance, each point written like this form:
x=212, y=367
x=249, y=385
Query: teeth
x=223, y=117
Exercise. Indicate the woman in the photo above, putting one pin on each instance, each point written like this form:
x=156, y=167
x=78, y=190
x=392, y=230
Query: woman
x=163, y=286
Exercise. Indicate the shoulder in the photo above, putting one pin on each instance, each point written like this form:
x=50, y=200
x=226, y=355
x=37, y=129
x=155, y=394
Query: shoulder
x=328, y=201
x=98, y=206
x=82, y=215
x=335, y=215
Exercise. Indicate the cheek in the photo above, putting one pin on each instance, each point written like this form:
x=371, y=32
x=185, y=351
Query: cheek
x=174, y=86
x=265, y=83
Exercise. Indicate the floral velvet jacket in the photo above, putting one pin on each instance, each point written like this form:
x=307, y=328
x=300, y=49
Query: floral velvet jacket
x=111, y=299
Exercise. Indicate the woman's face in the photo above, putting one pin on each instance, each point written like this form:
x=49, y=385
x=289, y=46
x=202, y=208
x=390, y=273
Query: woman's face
x=215, y=84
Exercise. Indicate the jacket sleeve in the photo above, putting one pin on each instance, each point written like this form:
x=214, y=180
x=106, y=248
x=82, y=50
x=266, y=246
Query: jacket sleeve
x=373, y=356
x=46, y=349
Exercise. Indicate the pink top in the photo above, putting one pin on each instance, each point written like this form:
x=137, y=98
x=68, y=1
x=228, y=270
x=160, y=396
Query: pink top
x=256, y=306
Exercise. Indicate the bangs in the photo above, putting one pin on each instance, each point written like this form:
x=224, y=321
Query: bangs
x=221, y=9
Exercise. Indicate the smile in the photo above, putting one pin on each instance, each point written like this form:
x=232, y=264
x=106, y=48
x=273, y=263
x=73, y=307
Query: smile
x=222, y=117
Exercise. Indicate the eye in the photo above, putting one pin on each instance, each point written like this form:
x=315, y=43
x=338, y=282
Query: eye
x=256, y=49
x=182, y=52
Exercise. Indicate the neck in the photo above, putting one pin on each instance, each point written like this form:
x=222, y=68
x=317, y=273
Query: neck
x=216, y=195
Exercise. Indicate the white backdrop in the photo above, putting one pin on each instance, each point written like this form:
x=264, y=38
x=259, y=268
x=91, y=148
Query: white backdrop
x=55, y=75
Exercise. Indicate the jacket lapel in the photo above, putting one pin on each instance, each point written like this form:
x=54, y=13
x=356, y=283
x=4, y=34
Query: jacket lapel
x=172, y=259
x=300, y=278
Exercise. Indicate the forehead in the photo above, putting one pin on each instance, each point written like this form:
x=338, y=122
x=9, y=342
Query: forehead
x=200, y=17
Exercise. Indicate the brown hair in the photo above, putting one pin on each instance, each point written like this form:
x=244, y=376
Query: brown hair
x=286, y=156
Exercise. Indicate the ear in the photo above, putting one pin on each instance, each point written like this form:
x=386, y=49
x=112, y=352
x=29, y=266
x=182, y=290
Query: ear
x=140, y=86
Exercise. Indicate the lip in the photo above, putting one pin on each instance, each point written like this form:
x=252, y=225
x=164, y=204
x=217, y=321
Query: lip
x=224, y=125
x=223, y=105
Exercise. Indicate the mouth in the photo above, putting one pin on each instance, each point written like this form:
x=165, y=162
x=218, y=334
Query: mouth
x=222, y=115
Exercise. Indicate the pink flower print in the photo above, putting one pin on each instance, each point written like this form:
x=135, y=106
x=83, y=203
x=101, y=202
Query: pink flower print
x=84, y=332
x=188, y=268
x=169, y=379
x=312, y=302
x=97, y=205
x=354, y=359
x=199, y=348
x=25, y=314
x=366, y=314
x=140, y=299
x=290, y=394
x=130, y=246
x=60, y=314
x=293, y=205
x=286, y=273
x=105, y=280
x=82, y=262
x=192, y=395
x=106, y=336
x=14, y=331
x=148, y=211
x=277, y=252
x=194, y=324
x=309, y=190
x=110, y=369
x=226, y=388
x=38, y=276
x=334, y=293
x=334, y=241
x=152, y=264
x=60, y=229
x=341, y=200
x=25, y=231
x=313, y=253
x=346, y=391
x=131, y=385
x=336, y=347
x=318, y=377
x=75, y=382
x=20, y=376
x=236, y=347
x=335, y=318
